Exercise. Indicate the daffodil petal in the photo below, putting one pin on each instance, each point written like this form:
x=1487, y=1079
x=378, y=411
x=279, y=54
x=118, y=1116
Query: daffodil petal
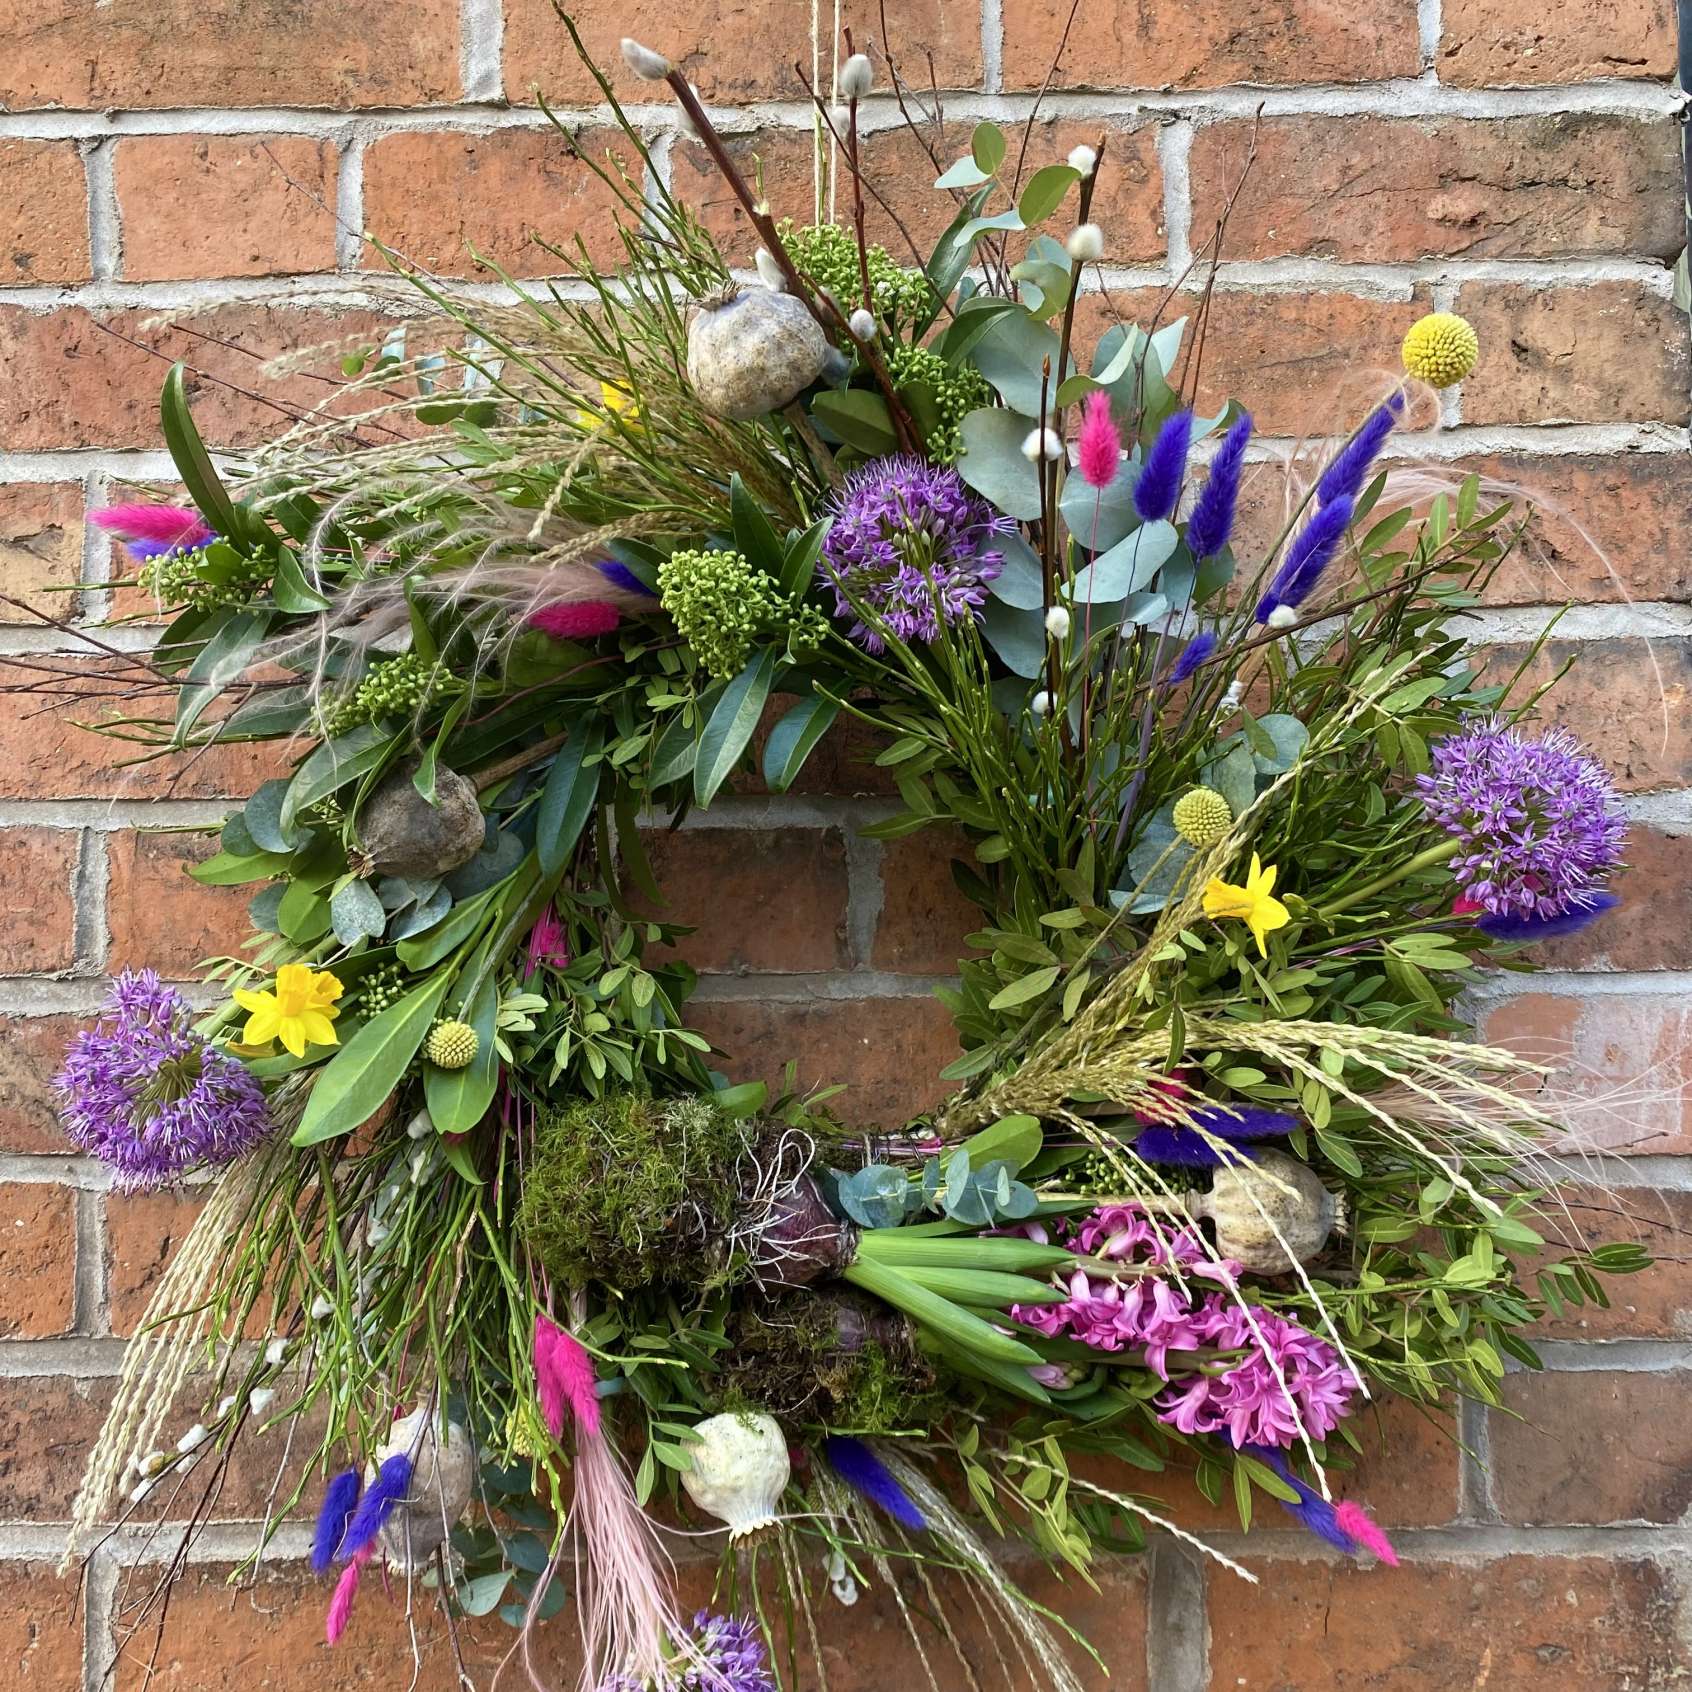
x=318, y=1029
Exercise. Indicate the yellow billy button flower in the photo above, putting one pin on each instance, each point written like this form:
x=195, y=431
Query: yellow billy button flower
x=1441, y=348
x=452, y=1045
x=1250, y=904
x=300, y=1011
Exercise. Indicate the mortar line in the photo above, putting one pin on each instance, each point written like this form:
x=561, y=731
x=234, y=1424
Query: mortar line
x=866, y=896
x=89, y=927
x=99, y=1648
x=1177, y=1642
x=992, y=45
x=89, y=1304
x=1475, y=1503
x=105, y=219
x=1174, y=156
x=481, y=42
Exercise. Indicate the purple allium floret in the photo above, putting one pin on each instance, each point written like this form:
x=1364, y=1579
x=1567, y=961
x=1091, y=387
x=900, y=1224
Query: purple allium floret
x=912, y=546
x=144, y=1093
x=734, y=1657
x=1537, y=820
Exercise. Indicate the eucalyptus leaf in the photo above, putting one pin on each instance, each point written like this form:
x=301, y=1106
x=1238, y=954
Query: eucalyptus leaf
x=1020, y=581
x=263, y=816
x=992, y=462
x=1234, y=776
x=1012, y=356
x=1128, y=566
x=1019, y=637
x=355, y=913
x=1155, y=865
x=1287, y=739
x=1099, y=518
x=1045, y=192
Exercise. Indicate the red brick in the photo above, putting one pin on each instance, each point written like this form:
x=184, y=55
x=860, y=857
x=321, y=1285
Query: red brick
x=1592, y=1447
x=43, y=213
x=1654, y=1304
x=889, y=1052
x=1626, y=699
x=41, y=1618
x=740, y=51
x=1622, y=1077
x=1485, y=45
x=1604, y=529
x=757, y=899
x=1112, y=47
x=1634, y=936
x=1517, y=1624
x=31, y=1048
x=40, y=549
x=45, y=754
x=141, y=53
x=924, y=917
x=37, y=1259
x=239, y=205
x=74, y=384
x=50, y=1423
x=1129, y=202
x=143, y=1232
x=1606, y=353
x=433, y=197
x=1301, y=363
x=37, y=920
x=161, y=920
x=1379, y=189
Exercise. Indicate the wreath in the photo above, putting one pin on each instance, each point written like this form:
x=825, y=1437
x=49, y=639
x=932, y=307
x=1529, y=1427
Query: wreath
x=1244, y=820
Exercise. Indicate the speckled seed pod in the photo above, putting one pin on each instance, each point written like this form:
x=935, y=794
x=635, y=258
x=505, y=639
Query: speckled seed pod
x=749, y=352
x=1246, y=1198
x=401, y=833
x=443, y=1475
x=740, y=1469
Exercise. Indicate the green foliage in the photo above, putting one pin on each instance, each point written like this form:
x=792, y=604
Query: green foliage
x=720, y=605
x=827, y=255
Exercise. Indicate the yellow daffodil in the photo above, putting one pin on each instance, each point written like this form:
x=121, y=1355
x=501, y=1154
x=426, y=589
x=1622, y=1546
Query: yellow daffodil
x=619, y=401
x=300, y=1012
x=1250, y=904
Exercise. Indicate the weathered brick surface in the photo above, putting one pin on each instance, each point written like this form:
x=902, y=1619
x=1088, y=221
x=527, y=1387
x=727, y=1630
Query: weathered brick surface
x=37, y=1259
x=30, y=1050
x=40, y=551
x=1518, y=1624
x=36, y=915
x=444, y=201
x=1375, y=189
x=1654, y=1304
x=1593, y=1447
x=43, y=213
x=50, y=1421
x=924, y=918
x=1486, y=44
x=243, y=206
x=1285, y=41
x=160, y=919
x=40, y=1641
x=140, y=53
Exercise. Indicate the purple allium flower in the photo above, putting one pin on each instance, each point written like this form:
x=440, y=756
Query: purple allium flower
x=1159, y=485
x=1537, y=819
x=1169, y=1142
x=913, y=545
x=1343, y=479
x=1193, y=654
x=1309, y=554
x=734, y=1657
x=1212, y=521
x=144, y=1093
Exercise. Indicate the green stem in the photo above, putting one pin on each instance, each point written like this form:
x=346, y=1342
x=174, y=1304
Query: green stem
x=1442, y=853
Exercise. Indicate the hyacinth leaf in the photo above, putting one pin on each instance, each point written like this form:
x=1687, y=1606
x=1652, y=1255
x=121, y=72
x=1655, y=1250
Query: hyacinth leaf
x=992, y=461
x=1128, y=566
x=572, y=789
x=1045, y=192
x=987, y=1288
x=961, y=1328
x=1019, y=582
x=459, y=1098
x=360, y=1078
x=1014, y=355
x=732, y=724
x=1100, y=518
x=857, y=418
x=792, y=739
x=917, y=1248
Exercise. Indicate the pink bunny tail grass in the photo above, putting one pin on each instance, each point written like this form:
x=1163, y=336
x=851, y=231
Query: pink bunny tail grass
x=346, y=1589
x=626, y=1611
x=584, y=620
x=1353, y=1521
x=169, y=525
x=564, y=1377
x=1100, y=450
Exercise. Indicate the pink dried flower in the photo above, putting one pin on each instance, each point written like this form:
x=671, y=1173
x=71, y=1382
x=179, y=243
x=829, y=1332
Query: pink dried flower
x=1353, y=1521
x=585, y=619
x=564, y=1376
x=1101, y=442
x=166, y=525
x=549, y=943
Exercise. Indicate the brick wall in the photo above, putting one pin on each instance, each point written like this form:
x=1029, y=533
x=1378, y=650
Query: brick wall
x=177, y=161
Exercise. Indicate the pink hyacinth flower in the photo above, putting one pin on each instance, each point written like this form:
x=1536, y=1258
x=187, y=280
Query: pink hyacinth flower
x=1101, y=442
x=549, y=943
x=575, y=620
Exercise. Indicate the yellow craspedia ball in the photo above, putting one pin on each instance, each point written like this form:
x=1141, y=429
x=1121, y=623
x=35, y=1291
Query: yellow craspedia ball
x=1202, y=817
x=1441, y=349
x=451, y=1045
